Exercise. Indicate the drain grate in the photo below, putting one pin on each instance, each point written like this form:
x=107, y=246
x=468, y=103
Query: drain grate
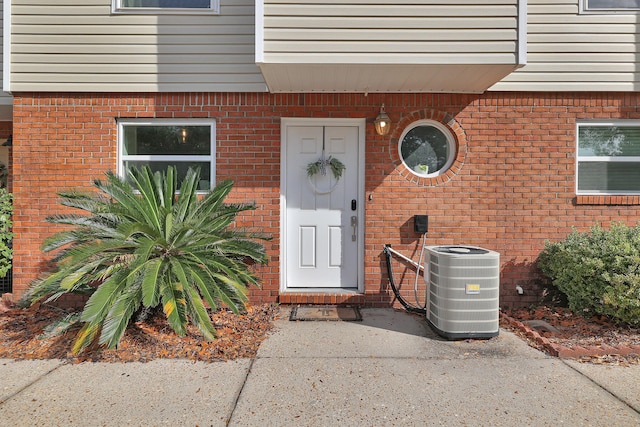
x=325, y=313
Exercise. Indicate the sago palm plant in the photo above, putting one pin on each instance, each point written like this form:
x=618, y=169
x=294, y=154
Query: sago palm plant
x=147, y=243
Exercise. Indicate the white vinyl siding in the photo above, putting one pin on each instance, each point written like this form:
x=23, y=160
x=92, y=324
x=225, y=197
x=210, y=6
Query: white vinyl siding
x=570, y=51
x=73, y=45
x=5, y=98
x=380, y=45
x=380, y=32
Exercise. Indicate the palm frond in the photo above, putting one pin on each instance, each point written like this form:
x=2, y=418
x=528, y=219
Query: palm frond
x=199, y=314
x=103, y=298
x=60, y=326
x=85, y=337
x=174, y=305
x=151, y=277
x=188, y=198
x=118, y=317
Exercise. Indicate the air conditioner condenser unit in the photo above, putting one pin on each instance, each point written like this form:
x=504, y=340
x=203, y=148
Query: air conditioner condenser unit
x=463, y=287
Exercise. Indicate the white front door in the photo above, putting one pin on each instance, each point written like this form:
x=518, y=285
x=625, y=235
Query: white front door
x=322, y=226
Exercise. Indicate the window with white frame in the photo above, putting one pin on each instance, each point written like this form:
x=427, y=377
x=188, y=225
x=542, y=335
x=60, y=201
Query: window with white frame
x=162, y=143
x=427, y=148
x=608, y=158
x=164, y=6
x=610, y=5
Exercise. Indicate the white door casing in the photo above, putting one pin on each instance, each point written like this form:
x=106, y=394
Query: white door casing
x=322, y=217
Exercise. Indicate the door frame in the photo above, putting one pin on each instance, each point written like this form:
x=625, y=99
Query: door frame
x=285, y=122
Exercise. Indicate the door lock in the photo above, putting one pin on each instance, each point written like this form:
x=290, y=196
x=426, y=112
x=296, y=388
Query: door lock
x=354, y=204
x=354, y=227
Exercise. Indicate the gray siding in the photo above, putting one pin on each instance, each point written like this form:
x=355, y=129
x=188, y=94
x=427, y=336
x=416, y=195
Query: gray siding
x=78, y=45
x=582, y=52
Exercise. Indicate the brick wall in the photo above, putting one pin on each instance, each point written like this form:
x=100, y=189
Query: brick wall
x=510, y=189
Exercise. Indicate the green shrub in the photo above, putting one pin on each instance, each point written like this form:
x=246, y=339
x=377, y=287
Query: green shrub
x=598, y=271
x=6, y=252
x=146, y=245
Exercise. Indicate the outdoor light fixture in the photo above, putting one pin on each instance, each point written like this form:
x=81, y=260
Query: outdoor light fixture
x=382, y=122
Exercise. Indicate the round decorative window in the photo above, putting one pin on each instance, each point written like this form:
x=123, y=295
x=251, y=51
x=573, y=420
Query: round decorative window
x=427, y=148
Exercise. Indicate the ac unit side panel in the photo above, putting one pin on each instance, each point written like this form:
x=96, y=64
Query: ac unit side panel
x=461, y=262
x=465, y=329
x=444, y=284
x=464, y=321
x=464, y=289
x=463, y=315
x=463, y=304
x=476, y=321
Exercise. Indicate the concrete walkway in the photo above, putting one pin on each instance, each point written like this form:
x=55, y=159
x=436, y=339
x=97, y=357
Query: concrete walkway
x=390, y=369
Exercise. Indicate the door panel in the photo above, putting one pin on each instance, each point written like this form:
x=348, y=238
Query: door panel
x=321, y=251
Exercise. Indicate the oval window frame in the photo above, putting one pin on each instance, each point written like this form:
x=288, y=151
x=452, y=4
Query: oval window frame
x=451, y=140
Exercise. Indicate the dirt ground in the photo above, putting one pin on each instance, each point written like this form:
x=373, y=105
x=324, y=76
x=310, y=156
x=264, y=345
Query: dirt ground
x=239, y=336
x=571, y=330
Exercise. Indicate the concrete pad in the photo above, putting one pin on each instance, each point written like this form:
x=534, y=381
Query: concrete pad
x=381, y=333
x=505, y=345
x=162, y=392
x=16, y=375
x=418, y=392
x=392, y=369
x=621, y=381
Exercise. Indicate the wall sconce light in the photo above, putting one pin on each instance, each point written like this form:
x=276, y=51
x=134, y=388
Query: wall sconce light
x=382, y=122
x=184, y=135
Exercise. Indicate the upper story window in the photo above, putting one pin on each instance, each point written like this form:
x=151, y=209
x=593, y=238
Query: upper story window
x=608, y=158
x=162, y=143
x=610, y=5
x=166, y=6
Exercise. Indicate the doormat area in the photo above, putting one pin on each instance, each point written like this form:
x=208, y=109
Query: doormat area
x=325, y=313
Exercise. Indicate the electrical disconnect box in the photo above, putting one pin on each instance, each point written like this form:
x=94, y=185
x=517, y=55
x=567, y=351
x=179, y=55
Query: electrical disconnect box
x=421, y=223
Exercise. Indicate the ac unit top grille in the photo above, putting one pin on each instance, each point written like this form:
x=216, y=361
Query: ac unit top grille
x=463, y=250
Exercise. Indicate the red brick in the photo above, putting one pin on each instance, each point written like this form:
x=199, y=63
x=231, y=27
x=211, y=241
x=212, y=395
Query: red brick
x=512, y=185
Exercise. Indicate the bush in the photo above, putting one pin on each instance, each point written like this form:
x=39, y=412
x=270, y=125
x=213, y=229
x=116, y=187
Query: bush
x=146, y=245
x=598, y=271
x=6, y=252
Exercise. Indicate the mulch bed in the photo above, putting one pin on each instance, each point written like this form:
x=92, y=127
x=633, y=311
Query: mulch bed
x=592, y=339
x=239, y=336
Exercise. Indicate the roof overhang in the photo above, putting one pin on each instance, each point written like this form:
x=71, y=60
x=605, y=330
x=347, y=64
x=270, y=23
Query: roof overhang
x=371, y=78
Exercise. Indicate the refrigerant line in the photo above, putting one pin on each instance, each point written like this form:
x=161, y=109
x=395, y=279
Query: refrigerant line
x=388, y=251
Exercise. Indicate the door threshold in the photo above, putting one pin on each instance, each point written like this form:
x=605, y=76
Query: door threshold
x=322, y=296
x=321, y=291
